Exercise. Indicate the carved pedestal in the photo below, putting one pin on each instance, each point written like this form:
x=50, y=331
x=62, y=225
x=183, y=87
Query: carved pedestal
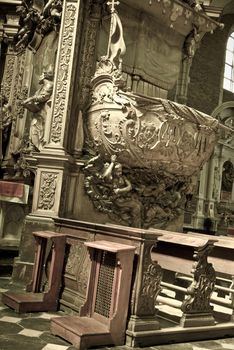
x=103, y=317
x=41, y=295
x=187, y=256
x=146, y=289
x=196, y=308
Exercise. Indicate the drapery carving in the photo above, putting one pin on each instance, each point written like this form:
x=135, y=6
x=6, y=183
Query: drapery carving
x=39, y=105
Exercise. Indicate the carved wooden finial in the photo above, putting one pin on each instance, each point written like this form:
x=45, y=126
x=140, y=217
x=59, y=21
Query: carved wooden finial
x=117, y=48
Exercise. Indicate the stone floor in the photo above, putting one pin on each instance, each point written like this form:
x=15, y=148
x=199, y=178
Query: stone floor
x=32, y=332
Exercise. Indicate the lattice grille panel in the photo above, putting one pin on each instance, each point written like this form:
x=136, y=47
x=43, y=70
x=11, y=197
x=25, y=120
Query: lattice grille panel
x=105, y=284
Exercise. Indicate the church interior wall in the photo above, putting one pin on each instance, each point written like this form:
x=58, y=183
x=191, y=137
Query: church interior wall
x=206, y=75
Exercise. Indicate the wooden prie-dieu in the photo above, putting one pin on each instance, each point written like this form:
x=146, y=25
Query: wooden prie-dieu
x=102, y=319
x=43, y=291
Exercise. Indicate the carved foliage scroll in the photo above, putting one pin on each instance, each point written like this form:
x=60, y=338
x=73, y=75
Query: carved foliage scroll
x=78, y=264
x=8, y=74
x=200, y=290
x=150, y=280
x=63, y=73
x=48, y=186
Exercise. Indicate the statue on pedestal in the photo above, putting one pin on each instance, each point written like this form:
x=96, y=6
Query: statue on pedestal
x=39, y=105
x=227, y=176
x=6, y=118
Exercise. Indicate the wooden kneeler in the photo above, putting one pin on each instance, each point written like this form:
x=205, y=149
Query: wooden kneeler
x=103, y=317
x=34, y=298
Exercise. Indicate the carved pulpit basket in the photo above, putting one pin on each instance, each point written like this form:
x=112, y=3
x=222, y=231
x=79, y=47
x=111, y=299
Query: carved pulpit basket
x=103, y=317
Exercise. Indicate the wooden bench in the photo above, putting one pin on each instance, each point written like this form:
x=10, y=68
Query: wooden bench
x=187, y=255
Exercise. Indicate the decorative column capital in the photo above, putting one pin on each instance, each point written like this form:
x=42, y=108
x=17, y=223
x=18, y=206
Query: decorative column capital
x=11, y=27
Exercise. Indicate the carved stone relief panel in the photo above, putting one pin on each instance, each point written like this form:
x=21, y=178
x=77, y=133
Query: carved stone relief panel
x=46, y=199
x=13, y=221
x=47, y=191
x=78, y=264
x=39, y=81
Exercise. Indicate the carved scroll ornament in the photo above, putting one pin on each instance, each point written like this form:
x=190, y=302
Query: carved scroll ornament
x=46, y=199
x=159, y=145
x=200, y=290
x=152, y=133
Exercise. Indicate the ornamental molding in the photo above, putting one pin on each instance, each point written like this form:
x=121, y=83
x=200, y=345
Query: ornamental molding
x=8, y=74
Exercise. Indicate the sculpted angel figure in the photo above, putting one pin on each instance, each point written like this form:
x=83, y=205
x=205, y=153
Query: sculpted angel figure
x=124, y=198
x=37, y=104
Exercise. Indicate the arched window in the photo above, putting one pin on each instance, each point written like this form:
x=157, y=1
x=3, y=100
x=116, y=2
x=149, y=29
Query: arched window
x=228, y=81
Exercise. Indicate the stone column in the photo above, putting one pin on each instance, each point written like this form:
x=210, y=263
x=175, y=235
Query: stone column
x=183, y=81
x=54, y=161
x=210, y=186
x=199, y=215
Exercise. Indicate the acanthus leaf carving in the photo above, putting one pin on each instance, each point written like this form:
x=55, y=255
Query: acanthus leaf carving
x=200, y=290
x=63, y=71
x=8, y=74
x=48, y=187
